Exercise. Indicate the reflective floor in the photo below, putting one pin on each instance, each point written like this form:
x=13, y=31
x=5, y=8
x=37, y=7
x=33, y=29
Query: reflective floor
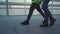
x=11, y=25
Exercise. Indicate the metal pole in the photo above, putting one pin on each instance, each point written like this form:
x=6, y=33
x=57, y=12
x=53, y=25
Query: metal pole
x=7, y=7
x=52, y=6
x=25, y=6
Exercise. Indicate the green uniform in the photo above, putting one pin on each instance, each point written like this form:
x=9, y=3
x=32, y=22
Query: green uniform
x=36, y=1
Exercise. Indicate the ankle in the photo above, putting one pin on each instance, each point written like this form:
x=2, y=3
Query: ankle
x=45, y=22
x=51, y=17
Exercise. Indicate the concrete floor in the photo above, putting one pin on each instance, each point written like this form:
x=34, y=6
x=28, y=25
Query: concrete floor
x=11, y=25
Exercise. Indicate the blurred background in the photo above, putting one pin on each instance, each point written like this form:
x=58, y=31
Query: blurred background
x=13, y=12
x=21, y=7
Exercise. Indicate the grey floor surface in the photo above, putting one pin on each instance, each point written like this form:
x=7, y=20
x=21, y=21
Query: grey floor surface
x=11, y=25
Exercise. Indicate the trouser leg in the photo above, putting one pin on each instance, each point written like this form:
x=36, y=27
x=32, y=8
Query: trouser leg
x=40, y=11
x=30, y=12
x=45, y=22
x=45, y=8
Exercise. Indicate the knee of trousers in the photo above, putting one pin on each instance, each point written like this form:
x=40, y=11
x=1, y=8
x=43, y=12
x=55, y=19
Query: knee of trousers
x=44, y=7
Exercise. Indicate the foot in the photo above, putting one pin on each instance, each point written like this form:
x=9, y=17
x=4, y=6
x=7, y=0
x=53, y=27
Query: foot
x=52, y=21
x=25, y=23
x=44, y=23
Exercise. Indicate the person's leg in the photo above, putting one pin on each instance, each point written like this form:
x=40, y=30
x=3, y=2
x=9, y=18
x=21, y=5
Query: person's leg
x=45, y=22
x=40, y=11
x=30, y=12
x=47, y=12
x=26, y=22
x=45, y=8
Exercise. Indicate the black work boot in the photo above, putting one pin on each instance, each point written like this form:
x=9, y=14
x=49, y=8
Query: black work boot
x=44, y=23
x=25, y=23
x=52, y=21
